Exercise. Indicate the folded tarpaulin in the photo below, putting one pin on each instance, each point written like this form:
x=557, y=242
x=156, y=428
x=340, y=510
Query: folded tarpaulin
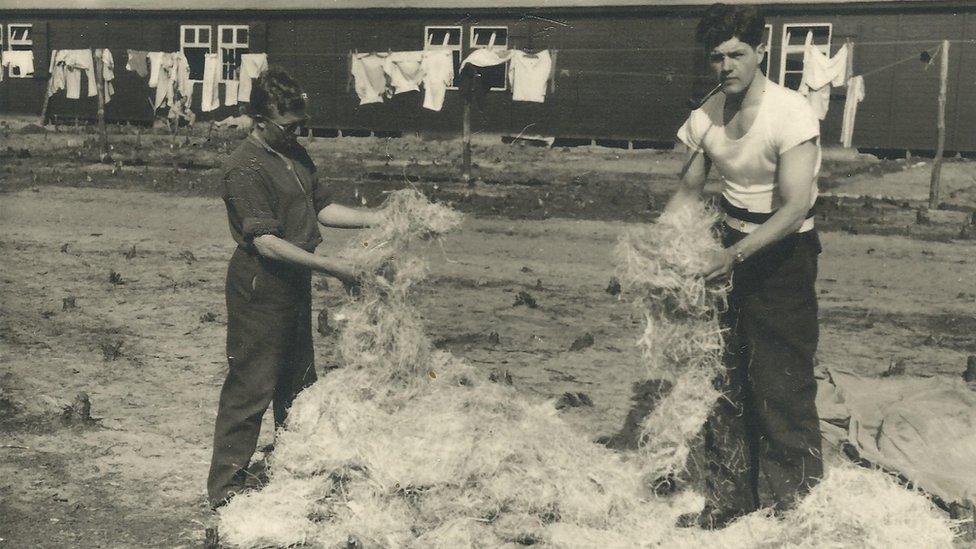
x=922, y=428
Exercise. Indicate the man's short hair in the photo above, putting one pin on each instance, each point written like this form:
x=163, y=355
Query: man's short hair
x=722, y=22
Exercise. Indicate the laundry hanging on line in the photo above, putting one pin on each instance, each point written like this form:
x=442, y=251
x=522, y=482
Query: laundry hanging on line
x=210, y=94
x=230, y=93
x=376, y=76
x=438, y=69
x=137, y=62
x=530, y=75
x=820, y=72
x=173, y=85
x=108, y=73
x=369, y=77
x=66, y=70
x=855, y=94
x=19, y=63
x=252, y=65
x=404, y=71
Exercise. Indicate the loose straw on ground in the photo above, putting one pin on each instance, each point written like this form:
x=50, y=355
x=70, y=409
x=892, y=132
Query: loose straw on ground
x=406, y=446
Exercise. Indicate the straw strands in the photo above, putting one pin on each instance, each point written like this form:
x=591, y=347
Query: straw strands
x=411, y=447
x=659, y=266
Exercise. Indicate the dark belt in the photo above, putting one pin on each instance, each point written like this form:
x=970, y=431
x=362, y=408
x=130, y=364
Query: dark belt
x=743, y=214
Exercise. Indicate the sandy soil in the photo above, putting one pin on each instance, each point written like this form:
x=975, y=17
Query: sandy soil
x=147, y=344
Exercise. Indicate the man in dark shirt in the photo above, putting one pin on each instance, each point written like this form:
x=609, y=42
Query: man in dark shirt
x=274, y=205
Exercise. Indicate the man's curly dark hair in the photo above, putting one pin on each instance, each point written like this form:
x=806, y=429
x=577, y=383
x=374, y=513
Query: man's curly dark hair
x=276, y=88
x=721, y=22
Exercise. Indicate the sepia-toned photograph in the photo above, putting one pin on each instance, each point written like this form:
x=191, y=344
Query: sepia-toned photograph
x=450, y=274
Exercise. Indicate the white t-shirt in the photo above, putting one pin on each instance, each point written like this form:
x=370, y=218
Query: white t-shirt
x=530, y=76
x=748, y=165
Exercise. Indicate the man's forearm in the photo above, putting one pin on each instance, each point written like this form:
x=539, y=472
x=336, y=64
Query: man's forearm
x=344, y=217
x=684, y=195
x=272, y=247
x=784, y=222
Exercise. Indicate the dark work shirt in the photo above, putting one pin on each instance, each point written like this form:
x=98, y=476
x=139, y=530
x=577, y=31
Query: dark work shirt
x=270, y=194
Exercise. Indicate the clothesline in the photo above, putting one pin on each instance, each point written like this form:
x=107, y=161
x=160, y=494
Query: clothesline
x=896, y=63
x=635, y=50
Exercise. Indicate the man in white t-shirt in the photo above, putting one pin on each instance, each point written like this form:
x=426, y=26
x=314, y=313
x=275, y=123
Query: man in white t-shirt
x=762, y=443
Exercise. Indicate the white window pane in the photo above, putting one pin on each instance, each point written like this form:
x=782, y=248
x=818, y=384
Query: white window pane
x=798, y=35
x=204, y=35
x=227, y=36
x=242, y=36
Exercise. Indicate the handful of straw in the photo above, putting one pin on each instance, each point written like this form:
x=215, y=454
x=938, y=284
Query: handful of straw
x=659, y=266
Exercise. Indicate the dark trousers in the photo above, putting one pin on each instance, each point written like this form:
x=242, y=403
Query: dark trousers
x=269, y=350
x=762, y=443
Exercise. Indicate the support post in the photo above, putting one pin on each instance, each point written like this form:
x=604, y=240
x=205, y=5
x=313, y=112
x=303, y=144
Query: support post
x=100, y=96
x=466, y=141
x=936, y=180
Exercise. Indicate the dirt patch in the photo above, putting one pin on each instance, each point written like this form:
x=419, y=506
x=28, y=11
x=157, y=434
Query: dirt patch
x=138, y=478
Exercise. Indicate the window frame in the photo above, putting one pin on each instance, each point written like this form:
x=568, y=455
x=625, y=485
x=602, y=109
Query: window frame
x=787, y=48
x=197, y=43
x=234, y=45
x=9, y=43
x=451, y=47
x=768, y=29
x=473, y=46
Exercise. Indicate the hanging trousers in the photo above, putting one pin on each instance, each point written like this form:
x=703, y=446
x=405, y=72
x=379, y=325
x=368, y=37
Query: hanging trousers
x=270, y=354
x=762, y=442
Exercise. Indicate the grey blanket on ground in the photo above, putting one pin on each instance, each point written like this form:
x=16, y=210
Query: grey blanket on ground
x=921, y=427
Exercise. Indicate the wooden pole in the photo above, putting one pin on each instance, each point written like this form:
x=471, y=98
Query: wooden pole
x=466, y=142
x=940, y=148
x=100, y=84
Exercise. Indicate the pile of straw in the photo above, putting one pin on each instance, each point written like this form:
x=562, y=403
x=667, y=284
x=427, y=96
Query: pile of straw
x=659, y=266
x=410, y=447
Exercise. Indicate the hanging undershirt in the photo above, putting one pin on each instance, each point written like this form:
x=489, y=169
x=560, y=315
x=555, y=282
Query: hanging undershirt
x=364, y=85
x=820, y=72
x=404, y=70
x=252, y=65
x=529, y=74
x=855, y=94
x=438, y=69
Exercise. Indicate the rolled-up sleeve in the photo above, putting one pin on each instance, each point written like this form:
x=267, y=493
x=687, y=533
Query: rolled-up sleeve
x=321, y=194
x=249, y=205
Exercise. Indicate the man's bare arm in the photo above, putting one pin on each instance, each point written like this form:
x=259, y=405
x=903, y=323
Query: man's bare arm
x=694, y=172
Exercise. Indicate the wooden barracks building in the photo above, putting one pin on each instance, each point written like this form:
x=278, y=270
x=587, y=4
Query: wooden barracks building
x=624, y=68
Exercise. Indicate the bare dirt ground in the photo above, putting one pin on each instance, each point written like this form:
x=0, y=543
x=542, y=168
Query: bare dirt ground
x=146, y=343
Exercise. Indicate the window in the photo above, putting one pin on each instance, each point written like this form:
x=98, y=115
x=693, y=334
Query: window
x=492, y=38
x=233, y=41
x=19, y=39
x=768, y=40
x=447, y=38
x=794, y=39
x=195, y=43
